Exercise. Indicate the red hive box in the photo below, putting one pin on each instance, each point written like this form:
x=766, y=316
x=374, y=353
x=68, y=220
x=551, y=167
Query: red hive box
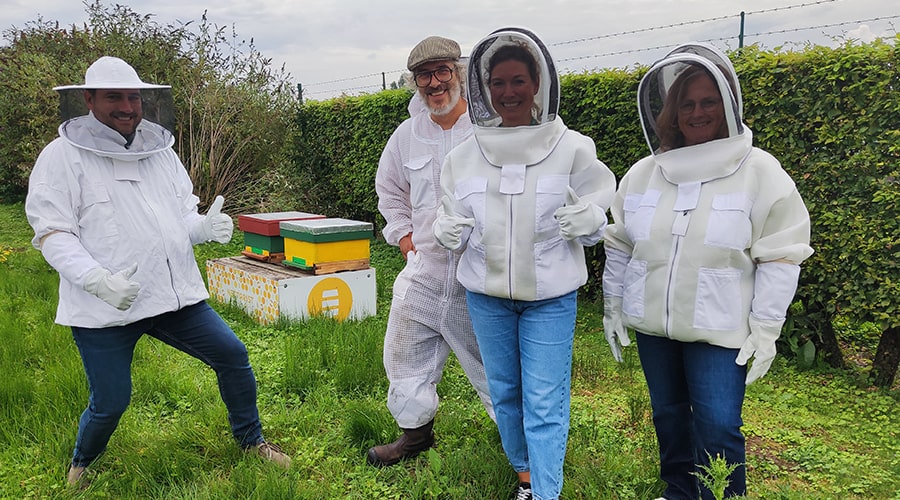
x=262, y=233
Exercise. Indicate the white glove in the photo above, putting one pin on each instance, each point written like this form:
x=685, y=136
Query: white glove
x=448, y=228
x=116, y=290
x=216, y=226
x=614, y=327
x=577, y=218
x=761, y=345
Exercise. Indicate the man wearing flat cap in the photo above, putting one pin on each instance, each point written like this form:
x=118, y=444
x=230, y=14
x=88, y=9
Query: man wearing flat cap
x=428, y=315
x=113, y=211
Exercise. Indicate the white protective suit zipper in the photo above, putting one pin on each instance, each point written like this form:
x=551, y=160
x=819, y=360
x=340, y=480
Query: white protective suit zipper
x=164, y=241
x=509, y=243
x=679, y=229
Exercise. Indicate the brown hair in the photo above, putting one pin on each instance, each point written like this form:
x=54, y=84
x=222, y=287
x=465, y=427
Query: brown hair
x=670, y=135
x=515, y=53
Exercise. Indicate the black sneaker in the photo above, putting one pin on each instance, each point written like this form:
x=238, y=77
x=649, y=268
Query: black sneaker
x=523, y=492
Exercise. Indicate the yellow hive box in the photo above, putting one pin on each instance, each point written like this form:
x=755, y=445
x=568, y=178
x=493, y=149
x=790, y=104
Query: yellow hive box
x=307, y=254
x=326, y=245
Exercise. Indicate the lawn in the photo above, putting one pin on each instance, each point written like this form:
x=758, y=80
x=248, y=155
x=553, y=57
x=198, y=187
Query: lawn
x=814, y=434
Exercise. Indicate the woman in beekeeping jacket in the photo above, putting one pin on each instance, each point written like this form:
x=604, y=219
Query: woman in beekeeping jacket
x=521, y=200
x=702, y=261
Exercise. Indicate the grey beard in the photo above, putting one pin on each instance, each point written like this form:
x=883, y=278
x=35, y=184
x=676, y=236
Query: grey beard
x=455, y=94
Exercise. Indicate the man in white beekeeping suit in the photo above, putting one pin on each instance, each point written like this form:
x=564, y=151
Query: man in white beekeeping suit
x=113, y=211
x=428, y=314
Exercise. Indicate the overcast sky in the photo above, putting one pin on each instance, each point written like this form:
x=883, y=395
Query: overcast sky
x=335, y=46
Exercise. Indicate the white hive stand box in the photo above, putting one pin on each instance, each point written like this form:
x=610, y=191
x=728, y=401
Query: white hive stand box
x=271, y=291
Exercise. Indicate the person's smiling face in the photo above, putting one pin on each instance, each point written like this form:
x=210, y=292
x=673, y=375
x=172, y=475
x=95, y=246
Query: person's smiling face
x=512, y=92
x=701, y=116
x=440, y=97
x=118, y=109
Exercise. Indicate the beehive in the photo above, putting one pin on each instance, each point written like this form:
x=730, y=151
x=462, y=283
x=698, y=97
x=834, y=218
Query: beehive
x=326, y=245
x=262, y=233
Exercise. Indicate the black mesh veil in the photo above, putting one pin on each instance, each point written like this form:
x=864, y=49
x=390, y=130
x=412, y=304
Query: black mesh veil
x=157, y=104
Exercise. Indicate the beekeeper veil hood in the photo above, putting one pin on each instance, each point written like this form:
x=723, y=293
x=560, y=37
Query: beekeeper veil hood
x=114, y=73
x=82, y=129
x=691, y=112
x=546, y=101
x=662, y=91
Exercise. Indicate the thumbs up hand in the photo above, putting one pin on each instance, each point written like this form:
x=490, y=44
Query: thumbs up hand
x=578, y=218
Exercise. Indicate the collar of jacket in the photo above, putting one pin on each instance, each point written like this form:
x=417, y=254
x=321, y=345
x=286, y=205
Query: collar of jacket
x=707, y=161
x=88, y=133
x=524, y=145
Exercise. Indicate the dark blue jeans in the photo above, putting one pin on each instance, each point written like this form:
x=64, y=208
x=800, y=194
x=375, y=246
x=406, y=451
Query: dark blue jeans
x=696, y=391
x=196, y=330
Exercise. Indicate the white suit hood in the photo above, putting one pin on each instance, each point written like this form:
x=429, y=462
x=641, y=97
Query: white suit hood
x=657, y=99
x=525, y=145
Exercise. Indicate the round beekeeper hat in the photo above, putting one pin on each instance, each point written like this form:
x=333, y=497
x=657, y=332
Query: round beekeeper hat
x=111, y=73
x=433, y=48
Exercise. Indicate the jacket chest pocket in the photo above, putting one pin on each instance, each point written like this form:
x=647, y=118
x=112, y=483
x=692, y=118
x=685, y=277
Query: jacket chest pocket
x=421, y=182
x=639, y=211
x=471, y=198
x=97, y=219
x=99, y=231
x=550, y=194
x=729, y=223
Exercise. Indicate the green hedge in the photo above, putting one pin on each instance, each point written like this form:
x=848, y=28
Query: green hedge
x=830, y=115
x=833, y=119
x=338, y=146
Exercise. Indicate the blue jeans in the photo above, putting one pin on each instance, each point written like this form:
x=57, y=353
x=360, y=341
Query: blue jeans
x=527, y=352
x=696, y=392
x=196, y=330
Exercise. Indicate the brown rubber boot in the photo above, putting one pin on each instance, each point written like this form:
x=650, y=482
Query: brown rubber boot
x=410, y=444
x=75, y=478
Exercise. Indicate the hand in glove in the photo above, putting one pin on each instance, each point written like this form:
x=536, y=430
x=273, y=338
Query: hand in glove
x=761, y=346
x=116, y=289
x=216, y=226
x=577, y=218
x=614, y=327
x=448, y=228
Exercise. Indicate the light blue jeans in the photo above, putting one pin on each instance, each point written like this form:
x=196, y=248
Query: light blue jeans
x=196, y=330
x=527, y=351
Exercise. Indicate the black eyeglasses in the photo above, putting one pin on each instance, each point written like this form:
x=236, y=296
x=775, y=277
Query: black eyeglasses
x=443, y=75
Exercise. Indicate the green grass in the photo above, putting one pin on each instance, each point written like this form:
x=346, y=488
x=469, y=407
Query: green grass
x=811, y=434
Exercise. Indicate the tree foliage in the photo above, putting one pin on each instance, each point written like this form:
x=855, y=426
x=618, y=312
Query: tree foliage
x=234, y=112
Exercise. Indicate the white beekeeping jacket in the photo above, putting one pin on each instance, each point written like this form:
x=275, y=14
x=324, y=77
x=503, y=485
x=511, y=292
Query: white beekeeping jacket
x=511, y=180
x=693, y=223
x=95, y=202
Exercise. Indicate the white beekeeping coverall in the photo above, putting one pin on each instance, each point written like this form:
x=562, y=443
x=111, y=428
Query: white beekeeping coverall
x=428, y=312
